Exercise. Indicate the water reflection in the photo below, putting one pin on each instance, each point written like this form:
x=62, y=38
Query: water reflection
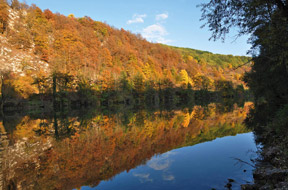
x=204, y=166
x=61, y=151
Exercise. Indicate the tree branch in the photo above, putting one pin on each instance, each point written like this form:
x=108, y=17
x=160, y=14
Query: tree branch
x=233, y=69
x=282, y=7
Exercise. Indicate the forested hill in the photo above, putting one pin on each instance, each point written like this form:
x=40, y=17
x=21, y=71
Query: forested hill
x=36, y=43
x=209, y=58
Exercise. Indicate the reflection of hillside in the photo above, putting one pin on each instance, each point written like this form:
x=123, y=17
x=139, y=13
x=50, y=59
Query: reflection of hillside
x=102, y=147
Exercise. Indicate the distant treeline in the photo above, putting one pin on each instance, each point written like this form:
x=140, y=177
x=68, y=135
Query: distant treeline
x=206, y=57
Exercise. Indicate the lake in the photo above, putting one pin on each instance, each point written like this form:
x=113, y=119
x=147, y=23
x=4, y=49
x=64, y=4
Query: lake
x=203, y=147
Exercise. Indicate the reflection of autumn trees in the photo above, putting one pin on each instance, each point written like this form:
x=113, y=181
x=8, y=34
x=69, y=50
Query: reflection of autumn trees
x=101, y=147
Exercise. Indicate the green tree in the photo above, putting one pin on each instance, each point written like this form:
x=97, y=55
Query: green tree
x=224, y=87
x=124, y=82
x=202, y=82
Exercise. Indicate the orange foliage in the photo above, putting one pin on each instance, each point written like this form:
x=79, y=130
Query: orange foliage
x=84, y=47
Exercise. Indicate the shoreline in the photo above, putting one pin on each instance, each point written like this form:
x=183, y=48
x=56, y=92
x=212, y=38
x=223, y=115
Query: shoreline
x=271, y=167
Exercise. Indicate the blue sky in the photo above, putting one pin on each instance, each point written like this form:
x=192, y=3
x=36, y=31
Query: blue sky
x=172, y=22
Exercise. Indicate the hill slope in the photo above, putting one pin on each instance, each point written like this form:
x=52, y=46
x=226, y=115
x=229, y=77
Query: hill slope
x=46, y=43
x=206, y=57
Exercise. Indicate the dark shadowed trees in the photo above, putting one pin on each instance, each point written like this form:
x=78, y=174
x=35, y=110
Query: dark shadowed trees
x=266, y=22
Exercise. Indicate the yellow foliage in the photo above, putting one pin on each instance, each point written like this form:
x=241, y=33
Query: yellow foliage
x=71, y=16
x=190, y=58
x=186, y=120
x=23, y=86
x=230, y=66
x=184, y=77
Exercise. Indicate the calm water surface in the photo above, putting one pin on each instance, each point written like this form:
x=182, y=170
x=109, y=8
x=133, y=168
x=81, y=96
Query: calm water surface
x=204, y=166
x=197, y=148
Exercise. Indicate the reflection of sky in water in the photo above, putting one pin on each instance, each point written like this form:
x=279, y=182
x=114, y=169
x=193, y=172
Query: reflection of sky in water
x=143, y=177
x=161, y=162
x=203, y=166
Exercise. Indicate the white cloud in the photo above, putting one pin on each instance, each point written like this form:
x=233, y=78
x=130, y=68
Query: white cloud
x=145, y=177
x=154, y=30
x=168, y=177
x=137, y=19
x=160, y=163
x=155, y=33
x=162, y=16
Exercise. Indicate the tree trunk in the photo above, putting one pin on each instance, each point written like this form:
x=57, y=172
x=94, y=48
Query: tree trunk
x=54, y=90
x=2, y=92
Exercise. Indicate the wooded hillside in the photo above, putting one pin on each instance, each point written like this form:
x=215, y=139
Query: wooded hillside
x=98, y=55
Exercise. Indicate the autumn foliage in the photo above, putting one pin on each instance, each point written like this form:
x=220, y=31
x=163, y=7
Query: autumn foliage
x=82, y=47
